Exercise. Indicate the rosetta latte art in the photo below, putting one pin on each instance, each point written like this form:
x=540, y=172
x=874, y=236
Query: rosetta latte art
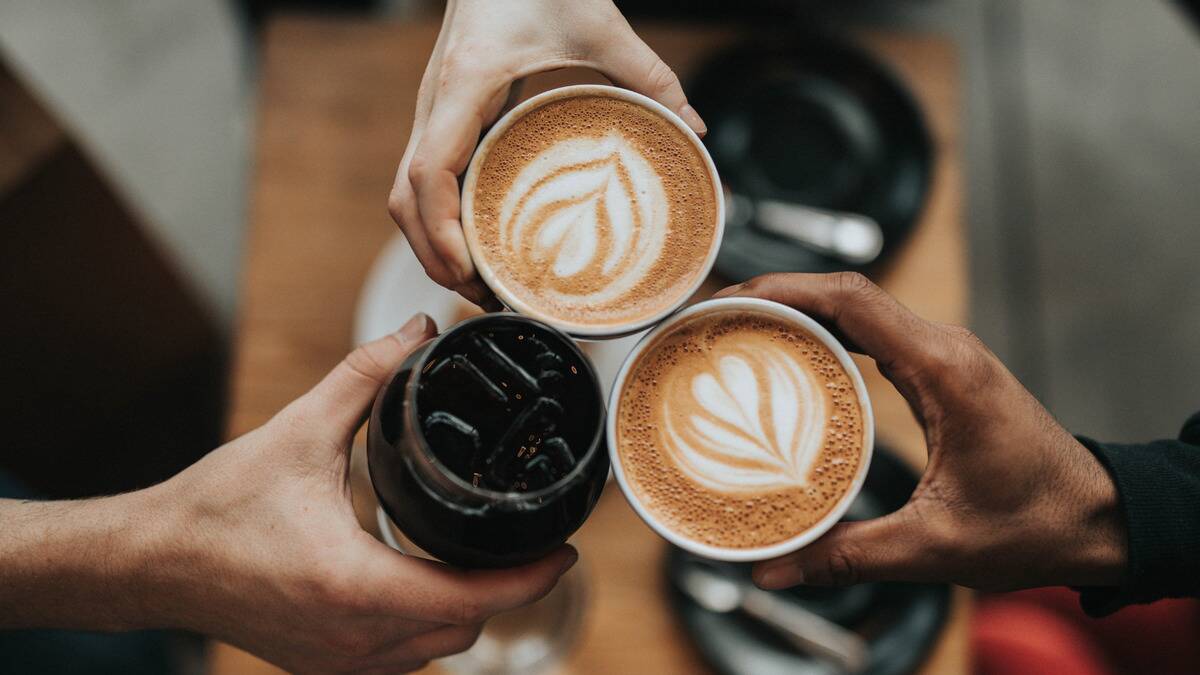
x=592, y=214
x=755, y=422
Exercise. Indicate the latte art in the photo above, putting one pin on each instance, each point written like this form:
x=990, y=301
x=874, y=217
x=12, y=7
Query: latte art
x=738, y=429
x=755, y=423
x=592, y=212
x=589, y=212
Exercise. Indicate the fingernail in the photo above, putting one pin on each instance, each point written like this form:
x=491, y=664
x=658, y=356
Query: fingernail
x=572, y=557
x=773, y=578
x=692, y=118
x=728, y=290
x=415, y=328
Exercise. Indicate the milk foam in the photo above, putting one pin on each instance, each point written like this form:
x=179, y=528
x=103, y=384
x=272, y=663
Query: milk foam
x=738, y=429
x=588, y=206
x=593, y=211
x=755, y=421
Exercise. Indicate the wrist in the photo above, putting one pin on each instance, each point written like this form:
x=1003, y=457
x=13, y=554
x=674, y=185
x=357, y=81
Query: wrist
x=141, y=574
x=1100, y=550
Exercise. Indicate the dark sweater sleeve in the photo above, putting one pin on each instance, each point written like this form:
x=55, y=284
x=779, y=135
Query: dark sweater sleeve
x=1159, y=488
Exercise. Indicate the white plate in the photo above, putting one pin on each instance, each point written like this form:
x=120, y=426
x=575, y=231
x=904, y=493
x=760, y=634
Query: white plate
x=397, y=287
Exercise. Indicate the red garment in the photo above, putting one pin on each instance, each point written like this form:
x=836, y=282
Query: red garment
x=1044, y=631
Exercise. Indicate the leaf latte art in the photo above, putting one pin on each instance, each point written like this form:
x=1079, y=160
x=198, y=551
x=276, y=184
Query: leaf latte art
x=590, y=211
x=738, y=429
x=756, y=421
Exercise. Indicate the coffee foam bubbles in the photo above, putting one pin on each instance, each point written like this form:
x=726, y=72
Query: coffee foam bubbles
x=738, y=429
x=587, y=207
x=591, y=210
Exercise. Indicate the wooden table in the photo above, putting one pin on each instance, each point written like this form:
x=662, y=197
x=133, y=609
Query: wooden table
x=335, y=107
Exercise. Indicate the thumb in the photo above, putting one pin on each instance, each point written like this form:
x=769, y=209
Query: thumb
x=630, y=63
x=891, y=548
x=340, y=401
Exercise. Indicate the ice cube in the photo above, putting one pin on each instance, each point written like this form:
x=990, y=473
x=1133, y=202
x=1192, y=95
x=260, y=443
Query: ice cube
x=504, y=362
x=455, y=441
x=525, y=433
x=459, y=367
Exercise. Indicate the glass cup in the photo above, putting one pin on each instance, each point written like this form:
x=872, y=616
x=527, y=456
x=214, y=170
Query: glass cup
x=527, y=640
x=426, y=508
x=438, y=511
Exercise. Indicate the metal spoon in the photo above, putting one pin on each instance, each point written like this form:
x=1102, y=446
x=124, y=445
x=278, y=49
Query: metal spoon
x=850, y=237
x=809, y=632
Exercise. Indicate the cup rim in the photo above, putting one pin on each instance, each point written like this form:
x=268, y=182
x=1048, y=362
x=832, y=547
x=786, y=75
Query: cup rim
x=786, y=546
x=568, y=480
x=509, y=299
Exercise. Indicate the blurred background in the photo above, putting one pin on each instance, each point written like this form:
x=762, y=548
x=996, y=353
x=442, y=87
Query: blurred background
x=1081, y=150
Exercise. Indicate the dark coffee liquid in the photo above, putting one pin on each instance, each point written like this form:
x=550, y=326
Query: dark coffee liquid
x=493, y=405
x=509, y=408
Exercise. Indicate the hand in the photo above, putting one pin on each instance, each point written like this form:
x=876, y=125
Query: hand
x=484, y=46
x=262, y=548
x=1008, y=500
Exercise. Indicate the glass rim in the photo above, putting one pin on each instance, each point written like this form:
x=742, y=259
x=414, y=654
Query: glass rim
x=596, y=445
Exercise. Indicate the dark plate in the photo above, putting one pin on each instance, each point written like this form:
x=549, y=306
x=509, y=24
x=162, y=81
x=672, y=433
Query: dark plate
x=815, y=121
x=900, y=621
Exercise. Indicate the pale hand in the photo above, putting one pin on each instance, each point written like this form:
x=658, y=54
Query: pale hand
x=258, y=545
x=483, y=48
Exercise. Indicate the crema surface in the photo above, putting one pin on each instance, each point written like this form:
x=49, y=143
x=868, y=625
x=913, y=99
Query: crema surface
x=739, y=430
x=594, y=211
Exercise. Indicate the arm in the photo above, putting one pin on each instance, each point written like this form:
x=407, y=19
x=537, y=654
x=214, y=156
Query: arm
x=483, y=48
x=1009, y=499
x=77, y=564
x=257, y=545
x=1159, y=485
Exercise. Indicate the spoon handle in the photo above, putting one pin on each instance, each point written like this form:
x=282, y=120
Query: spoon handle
x=809, y=632
x=852, y=237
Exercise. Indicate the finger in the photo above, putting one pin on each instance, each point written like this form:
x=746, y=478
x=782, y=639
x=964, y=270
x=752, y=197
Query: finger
x=341, y=400
x=435, y=644
x=630, y=63
x=892, y=548
x=478, y=293
x=853, y=307
x=402, y=201
x=453, y=129
x=402, y=205
x=428, y=591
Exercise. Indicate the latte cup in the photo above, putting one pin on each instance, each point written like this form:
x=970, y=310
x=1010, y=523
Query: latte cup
x=783, y=319
x=600, y=222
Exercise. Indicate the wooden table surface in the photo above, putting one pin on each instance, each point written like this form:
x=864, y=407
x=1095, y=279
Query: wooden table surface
x=335, y=105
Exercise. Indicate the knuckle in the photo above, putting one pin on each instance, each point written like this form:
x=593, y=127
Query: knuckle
x=963, y=360
x=397, y=206
x=419, y=169
x=661, y=78
x=853, y=284
x=468, y=611
x=363, y=363
x=843, y=567
x=761, y=285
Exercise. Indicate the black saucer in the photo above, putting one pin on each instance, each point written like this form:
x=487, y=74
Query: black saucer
x=812, y=120
x=899, y=621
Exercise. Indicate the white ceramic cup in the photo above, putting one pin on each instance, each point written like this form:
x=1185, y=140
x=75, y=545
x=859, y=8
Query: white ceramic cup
x=801, y=539
x=485, y=267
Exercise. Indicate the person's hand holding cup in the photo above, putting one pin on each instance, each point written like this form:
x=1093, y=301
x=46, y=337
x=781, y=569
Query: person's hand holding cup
x=484, y=47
